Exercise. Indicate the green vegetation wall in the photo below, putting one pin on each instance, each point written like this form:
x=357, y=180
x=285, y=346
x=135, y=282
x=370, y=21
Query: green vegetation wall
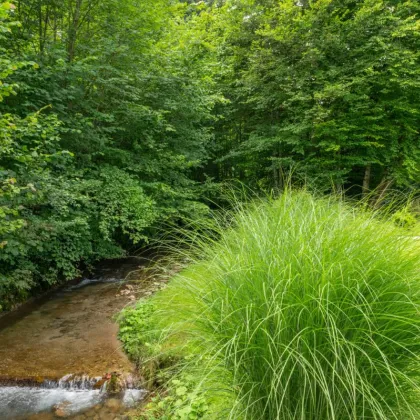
x=103, y=119
x=327, y=88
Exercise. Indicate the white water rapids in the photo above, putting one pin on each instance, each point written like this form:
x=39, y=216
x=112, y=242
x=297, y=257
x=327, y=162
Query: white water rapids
x=18, y=402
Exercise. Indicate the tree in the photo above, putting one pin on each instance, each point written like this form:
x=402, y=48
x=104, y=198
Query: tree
x=329, y=88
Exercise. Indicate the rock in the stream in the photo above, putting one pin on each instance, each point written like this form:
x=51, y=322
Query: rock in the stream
x=113, y=404
x=62, y=410
x=107, y=416
x=99, y=384
x=61, y=413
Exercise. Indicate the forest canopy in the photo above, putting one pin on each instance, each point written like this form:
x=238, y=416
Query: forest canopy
x=119, y=118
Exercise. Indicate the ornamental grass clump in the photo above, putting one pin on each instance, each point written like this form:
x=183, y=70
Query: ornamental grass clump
x=304, y=308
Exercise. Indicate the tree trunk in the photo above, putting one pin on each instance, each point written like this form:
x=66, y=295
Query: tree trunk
x=366, y=180
x=275, y=179
x=40, y=28
x=383, y=187
x=74, y=19
x=45, y=28
x=55, y=29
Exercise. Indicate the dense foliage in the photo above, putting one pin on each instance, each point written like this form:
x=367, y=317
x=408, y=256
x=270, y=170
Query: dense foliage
x=118, y=118
x=328, y=89
x=104, y=117
x=305, y=308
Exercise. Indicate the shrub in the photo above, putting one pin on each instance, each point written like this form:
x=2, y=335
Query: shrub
x=304, y=308
x=182, y=402
x=135, y=331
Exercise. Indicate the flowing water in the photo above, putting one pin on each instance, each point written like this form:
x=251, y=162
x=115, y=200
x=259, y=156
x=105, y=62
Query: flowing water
x=57, y=354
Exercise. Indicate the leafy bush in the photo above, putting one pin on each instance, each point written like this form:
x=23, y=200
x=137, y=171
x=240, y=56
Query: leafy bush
x=53, y=217
x=135, y=330
x=304, y=308
x=15, y=287
x=123, y=205
x=60, y=222
x=183, y=402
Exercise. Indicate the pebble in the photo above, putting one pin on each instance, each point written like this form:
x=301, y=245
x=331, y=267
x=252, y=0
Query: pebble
x=61, y=413
x=113, y=404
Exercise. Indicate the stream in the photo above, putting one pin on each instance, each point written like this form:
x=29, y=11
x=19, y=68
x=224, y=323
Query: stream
x=58, y=353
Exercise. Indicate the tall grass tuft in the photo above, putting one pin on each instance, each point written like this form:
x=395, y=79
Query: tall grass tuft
x=305, y=308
